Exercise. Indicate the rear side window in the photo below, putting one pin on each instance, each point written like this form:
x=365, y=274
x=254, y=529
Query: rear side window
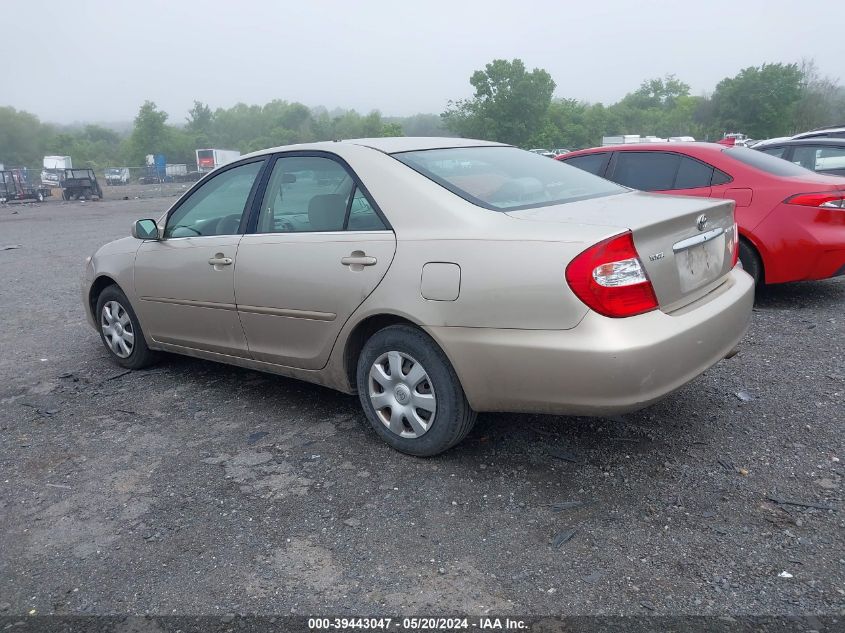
x=502, y=178
x=646, y=171
x=774, y=151
x=593, y=163
x=693, y=174
x=720, y=177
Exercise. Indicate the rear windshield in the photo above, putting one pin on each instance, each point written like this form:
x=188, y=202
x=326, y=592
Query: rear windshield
x=507, y=178
x=765, y=162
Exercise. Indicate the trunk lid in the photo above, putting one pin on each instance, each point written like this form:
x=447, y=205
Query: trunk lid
x=684, y=243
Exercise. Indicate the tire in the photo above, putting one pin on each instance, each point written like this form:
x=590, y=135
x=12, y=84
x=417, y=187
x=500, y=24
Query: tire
x=416, y=430
x=139, y=355
x=751, y=261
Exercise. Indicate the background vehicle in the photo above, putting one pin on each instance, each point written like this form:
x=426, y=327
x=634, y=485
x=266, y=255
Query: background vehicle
x=211, y=159
x=624, y=139
x=435, y=277
x=117, y=175
x=833, y=131
x=78, y=184
x=821, y=155
x=54, y=167
x=734, y=139
x=791, y=220
x=16, y=184
x=543, y=152
x=560, y=150
x=177, y=172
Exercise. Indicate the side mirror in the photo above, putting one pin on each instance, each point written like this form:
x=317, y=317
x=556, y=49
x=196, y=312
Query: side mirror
x=145, y=230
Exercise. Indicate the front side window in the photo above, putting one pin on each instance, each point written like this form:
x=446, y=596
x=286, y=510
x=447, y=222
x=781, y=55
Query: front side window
x=217, y=206
x=646, y=171
x=311, y=193
x=830, y=158
x=805, y=156
x=506, y=178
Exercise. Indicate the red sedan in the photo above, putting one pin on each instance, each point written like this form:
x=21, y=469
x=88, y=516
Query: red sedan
x=791, y=220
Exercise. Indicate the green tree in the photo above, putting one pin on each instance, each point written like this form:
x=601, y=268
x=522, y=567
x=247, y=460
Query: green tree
x=509, y=105
x=759, y=101
x=200, y=119
x=150, y=134
x=23, y=138
x=391, y=129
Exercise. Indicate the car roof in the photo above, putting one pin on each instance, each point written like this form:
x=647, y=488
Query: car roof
x=824, y=140
x=697, y=147
x=388, y=145
x=820, y=132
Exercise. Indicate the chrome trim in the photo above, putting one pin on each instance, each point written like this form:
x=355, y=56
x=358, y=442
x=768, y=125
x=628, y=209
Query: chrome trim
x=281, y=233
x=288, y=312
x=695, y=240
x=192, y=303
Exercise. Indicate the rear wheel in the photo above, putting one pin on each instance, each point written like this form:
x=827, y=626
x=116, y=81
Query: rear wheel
x=410, y=392
x=751, y=261
x=120, y=330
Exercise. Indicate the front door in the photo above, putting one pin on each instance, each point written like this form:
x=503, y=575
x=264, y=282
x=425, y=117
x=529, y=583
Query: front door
x=185, y=281
x=320, y=248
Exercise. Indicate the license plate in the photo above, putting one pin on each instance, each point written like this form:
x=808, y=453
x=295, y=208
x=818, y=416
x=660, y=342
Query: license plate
x=700, y=264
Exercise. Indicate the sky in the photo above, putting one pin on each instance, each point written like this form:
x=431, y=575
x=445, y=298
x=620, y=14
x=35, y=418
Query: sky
x=91, y=60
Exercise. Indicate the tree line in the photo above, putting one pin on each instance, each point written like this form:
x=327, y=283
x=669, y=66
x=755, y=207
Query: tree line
x=510, y=104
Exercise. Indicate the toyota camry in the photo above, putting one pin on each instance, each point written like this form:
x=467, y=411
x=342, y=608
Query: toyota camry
x=435, y=278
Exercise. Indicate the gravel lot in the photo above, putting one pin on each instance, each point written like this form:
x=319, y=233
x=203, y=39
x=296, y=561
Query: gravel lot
x=196, y=488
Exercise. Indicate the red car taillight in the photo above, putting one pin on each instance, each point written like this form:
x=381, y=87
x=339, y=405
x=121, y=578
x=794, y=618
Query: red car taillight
x=609, y=277
x=823, y=199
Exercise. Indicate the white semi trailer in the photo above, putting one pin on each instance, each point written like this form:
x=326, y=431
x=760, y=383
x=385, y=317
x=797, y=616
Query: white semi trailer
x=209, y=159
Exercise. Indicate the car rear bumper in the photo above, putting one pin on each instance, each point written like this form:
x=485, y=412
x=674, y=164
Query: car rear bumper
x=602, y=366
x=802, y=243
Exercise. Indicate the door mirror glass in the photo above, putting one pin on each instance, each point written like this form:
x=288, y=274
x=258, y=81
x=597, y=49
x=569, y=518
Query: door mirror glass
x=145, y=230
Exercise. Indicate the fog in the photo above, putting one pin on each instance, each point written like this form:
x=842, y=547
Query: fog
x=98, y=61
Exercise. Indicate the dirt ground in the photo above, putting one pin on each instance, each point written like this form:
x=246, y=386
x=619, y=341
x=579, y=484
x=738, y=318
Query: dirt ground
x=196, y=488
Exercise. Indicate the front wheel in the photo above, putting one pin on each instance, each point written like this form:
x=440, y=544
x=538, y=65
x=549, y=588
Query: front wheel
x=410, y=392
x=120, y=330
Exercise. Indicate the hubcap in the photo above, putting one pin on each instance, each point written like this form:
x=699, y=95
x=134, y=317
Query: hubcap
x=117, y=329
x=402, y=394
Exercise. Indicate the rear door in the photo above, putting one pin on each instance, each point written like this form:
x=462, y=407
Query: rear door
x=319, y=247
x=663, y=172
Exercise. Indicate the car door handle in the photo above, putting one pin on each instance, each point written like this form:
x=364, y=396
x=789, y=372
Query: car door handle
x=358, y=260
x=218, y=260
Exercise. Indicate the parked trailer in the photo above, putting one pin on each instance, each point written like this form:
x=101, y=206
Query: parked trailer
x=15, y=184
x=210, y=159
x=177, y=172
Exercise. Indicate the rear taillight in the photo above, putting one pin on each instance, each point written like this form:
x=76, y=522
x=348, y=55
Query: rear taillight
x=609, y=277
x=823, y=199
